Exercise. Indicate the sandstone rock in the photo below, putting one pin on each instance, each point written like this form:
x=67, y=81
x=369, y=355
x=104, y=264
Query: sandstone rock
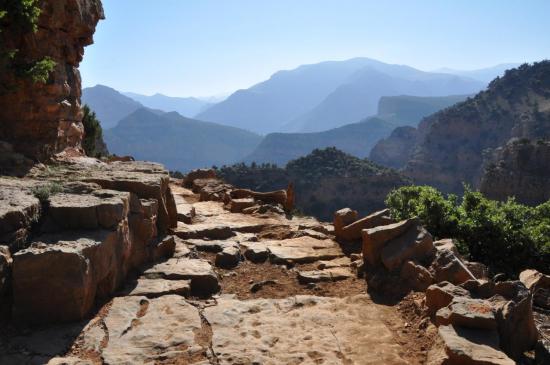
x=303, y=249
x=539, y=285
x=69, y=361
x=480, y=288
x=210, y=246
x=80, y=266
x=256, y=252
x=469, y=313
x=353, y=230
x=229, y=257
x=448, y=267
x=204, y=280
x=542, y=352
x=316, y=329
x=479, y=270
x=418, y=277
x=442, y=294
x=181, y=249
x=198, y=174
x=516, y=324
x=186, y=212
x=329, y=264
x=204, y=230
x=42, y=119
x=165, y=248
x=105, y=209
x=19, y=209
x=465, y=346
x=416, y=243
x=342, y=218
x=143, y=331
x=152, y=288
x=374, y=239
x=272, y=197
x=332, y=274
x=238, y=205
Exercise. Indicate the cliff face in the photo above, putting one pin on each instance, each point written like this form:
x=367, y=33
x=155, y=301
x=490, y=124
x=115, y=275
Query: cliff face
x=395, y=150
x=452, y=143
x=41, y=119
x=521, y=169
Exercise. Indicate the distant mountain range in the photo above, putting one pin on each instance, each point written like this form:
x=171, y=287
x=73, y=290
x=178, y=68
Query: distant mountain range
x=180, y=143
x=484, y=74
x=331, y=94
x=357, y=138
x=109, y=105
x=188, y=107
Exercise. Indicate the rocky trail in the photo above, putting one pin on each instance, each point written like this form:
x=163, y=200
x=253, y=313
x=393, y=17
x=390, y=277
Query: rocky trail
x=234, y=288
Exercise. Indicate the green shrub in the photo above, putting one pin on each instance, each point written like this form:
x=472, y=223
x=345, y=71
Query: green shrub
x=44, y=192
x=506, y=236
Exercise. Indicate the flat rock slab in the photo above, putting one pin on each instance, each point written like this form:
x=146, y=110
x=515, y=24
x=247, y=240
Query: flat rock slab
x=145, y=331
x=301, y=330
x=203, y=278
x=332, y=274
x=211, y=246
x=466, y=312
x=339, y=262
x=213, y=231
x=153, y=288
x=468, y=346
x=303, y=249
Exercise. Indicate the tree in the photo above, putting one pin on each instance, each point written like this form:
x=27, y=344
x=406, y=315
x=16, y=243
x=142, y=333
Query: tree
x=93, y=134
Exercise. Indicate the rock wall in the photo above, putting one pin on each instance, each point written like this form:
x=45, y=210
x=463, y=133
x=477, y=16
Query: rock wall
x=395, y=150
x=39, y=119
x=520, y=168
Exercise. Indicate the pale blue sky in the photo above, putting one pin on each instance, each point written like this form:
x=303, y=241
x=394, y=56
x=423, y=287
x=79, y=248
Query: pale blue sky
x=208, y=47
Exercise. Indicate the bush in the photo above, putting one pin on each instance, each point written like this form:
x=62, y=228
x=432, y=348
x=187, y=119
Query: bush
x=506, y=236
x=44, y=192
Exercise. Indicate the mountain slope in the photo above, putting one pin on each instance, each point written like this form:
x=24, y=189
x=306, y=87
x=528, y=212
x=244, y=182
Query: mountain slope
x=188, y=107
x=267, y=106
x=356, y=139
x=109, y=105
x=451, y=144
x=359, y=97
x=178, y=142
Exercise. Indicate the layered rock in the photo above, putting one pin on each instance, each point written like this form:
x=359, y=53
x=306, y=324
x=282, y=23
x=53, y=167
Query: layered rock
x=41, y=119
x=396, y=150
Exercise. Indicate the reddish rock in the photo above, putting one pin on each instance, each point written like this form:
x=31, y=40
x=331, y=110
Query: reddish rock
x=448, y=267
x=442, y=294
x=41, y=119
x=469, y=313
x=539, y=285
x=198, y=174
x=418, y=277
x=415, y=244
x=374, y=239
x=352, y=231
x=342, y=218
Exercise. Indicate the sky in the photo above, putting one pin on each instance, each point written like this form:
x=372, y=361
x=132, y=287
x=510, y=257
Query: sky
x=214, y=47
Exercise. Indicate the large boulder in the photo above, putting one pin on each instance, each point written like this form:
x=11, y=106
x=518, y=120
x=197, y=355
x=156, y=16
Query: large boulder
x=342, y=218
x=80, y=266
x=417, y=276
x=352, y=231
x=516, y=323
x=442, y=294
x=465, y=346
x=467, y=312
x=415, y=244
x=447, y=266
x=198, y=174
x=539, y=285
x=374, y=239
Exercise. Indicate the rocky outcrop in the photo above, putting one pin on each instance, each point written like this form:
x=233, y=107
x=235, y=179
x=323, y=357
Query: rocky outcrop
x=89, y=231
x=396, y=150
x=41, y=119
x=521, y=169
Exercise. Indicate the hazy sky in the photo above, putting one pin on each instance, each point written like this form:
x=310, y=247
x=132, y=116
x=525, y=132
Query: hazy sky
x=208, y=47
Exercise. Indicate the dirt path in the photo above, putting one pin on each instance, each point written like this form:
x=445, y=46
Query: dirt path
x=242, y=289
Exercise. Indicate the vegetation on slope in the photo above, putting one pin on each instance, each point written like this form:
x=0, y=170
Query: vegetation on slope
x=93, y=134
x=506, y=236
x=324, y=181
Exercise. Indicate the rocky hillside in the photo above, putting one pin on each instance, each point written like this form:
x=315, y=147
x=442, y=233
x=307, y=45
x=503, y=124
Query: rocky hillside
x=356, y=139
x=324, y=180
x=179, y=143
x=451, y=144
x=520, y=169
x=395, y=150
x=40, y=113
